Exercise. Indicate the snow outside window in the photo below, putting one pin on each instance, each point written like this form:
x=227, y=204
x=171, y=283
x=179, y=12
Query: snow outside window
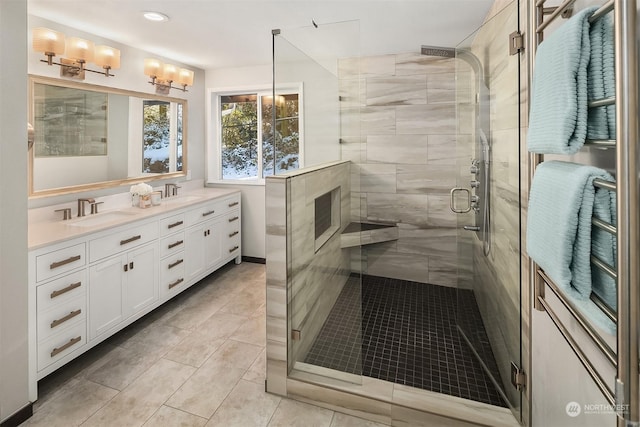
x=249, y=146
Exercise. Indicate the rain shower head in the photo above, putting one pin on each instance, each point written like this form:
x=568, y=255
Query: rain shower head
x=445, y=52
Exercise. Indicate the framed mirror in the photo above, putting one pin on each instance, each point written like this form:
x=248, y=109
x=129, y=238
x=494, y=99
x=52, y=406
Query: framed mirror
x=93, y=137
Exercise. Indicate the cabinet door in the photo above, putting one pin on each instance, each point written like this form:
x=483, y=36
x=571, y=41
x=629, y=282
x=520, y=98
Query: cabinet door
x=213, y=244
x=203, y=248
x=105, y=295
x=194, y=250
x=140, y=287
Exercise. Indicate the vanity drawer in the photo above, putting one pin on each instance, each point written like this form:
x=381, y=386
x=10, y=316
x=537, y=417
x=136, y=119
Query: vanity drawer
x=172, y=278
x=61, y=345
x=172, y=244
x=60, y=261
x=60, y=290
x=204, y=212
x=122, y=240
x=172, y=224
x=61, y=317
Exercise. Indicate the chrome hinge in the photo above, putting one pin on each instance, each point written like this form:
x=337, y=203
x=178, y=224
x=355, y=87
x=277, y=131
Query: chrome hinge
x=516, y=42
x=518, y=377
x=295, y=334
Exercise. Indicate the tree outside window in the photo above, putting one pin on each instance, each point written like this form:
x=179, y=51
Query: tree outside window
x=246, y=119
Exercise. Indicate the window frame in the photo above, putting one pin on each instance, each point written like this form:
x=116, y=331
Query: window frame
x=214, y=129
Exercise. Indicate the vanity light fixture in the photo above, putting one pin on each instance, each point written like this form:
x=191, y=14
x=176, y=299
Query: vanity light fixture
x=164, y=75
x=79, y=52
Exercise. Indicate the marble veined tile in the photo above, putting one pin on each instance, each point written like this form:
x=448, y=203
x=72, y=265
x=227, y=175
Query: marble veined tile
x=416, y=63
x=441, y=88
x=393, y=208
x=428, y=241
x=443, y=150
x=378, y=120
x=405, y=90
x=384, y=260
x=429, y=119
x=439, y=212
x=377, y=178
x=405, y=149
x=382, y=65
x=425, y=179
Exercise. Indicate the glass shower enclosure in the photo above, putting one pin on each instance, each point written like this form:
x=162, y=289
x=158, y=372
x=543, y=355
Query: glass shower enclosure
x=404, y=290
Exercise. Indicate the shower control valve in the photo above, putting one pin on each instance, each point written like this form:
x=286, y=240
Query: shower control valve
x=475, y=199
x=474, y=169
x=474, y=183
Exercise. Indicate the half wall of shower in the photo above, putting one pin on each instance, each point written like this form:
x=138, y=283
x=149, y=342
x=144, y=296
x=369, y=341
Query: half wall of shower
x=400, y=291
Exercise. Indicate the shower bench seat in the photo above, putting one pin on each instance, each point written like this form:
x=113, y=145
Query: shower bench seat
x=366, y=233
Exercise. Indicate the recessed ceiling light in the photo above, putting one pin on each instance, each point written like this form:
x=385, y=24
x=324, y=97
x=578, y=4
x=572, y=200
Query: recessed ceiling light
x=156, y=16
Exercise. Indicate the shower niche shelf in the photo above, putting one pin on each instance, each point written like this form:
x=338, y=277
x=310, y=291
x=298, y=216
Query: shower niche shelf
x=366, y=233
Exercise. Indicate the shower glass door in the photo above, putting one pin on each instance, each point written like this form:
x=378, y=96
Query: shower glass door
x=488, y=236
x=324, y=286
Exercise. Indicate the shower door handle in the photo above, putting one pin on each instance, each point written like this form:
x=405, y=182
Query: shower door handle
x=452, y=203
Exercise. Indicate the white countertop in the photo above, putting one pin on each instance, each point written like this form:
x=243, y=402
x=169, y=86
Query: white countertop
x=44, y=232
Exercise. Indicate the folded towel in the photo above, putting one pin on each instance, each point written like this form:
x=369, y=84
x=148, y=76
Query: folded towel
x=558, y=117
x=601, y=79
x=560, y=237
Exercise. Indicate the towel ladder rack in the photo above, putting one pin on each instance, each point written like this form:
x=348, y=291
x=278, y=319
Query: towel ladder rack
x=627, y=225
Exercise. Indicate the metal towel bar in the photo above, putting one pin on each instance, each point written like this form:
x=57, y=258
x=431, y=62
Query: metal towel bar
x=627, y=224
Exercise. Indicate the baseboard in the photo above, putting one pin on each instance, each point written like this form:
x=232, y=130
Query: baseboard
x=254, y=260
x=19, y=417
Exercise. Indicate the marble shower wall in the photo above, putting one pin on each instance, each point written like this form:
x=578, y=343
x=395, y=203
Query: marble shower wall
x=313, y=277
x=398, y=127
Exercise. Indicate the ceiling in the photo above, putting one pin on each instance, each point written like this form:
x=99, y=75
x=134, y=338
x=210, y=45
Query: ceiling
x=237, y=33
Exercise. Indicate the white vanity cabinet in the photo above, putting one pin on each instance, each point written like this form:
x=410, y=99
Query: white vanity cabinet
x=207, y=246
x=121, y=287
x=86, y=288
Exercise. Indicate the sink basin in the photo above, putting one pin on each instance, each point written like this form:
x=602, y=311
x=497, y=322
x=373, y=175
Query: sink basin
x=181, y=199
x=101, y=218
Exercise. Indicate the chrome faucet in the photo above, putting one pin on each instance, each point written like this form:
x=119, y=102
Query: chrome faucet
x=170, y=189
x=81, y=205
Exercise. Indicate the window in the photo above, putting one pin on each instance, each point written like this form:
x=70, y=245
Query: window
x=248, y=146
x=162, y=136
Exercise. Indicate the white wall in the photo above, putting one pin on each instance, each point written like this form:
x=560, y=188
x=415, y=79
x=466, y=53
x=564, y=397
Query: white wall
x=13, y=208
x=321, y=123
x=129, y=77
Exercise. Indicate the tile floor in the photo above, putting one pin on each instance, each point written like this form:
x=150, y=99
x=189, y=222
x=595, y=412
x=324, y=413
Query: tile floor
x=405, y=332
x=196, y=361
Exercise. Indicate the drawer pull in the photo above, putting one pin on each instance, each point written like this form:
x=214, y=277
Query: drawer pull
x=69, y=316
x=65, y=290
x=235, y=218
x=173, y=245
x=233, y=249
x=233, y=204
x=208, y=213
x=233, y=234
x=71, y=342
x=64, y=262
x=175, y=224
x=130, y=239
x=178, y=262
x=176, y=283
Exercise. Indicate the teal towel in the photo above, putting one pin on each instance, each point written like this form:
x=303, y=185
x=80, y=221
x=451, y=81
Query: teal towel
x=558, y=117
x=560, y=238
x=601, y=79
